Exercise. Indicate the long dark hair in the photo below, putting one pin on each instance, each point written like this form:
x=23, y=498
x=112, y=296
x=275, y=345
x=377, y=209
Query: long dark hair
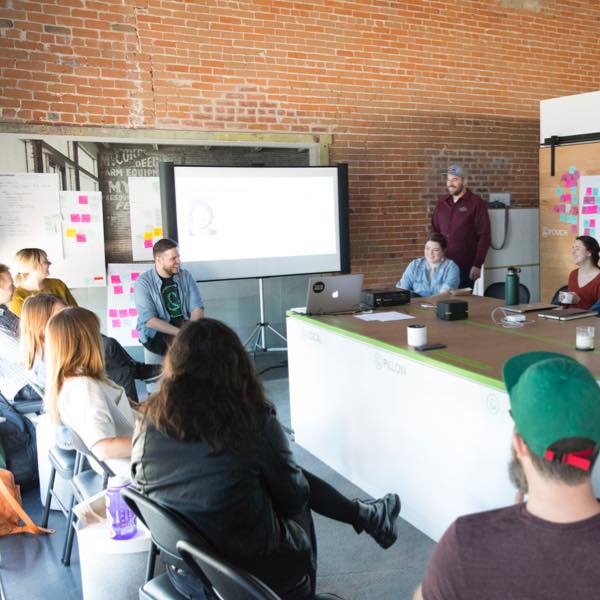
x=209, y=391
x=592, y=246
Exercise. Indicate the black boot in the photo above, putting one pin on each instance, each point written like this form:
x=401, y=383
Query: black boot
x=146, y=372
x=379, y=518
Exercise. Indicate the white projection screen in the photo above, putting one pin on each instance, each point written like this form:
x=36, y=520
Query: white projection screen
x=241, y=222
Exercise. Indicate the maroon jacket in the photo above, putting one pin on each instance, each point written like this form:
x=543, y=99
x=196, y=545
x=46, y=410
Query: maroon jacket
x=466, y=226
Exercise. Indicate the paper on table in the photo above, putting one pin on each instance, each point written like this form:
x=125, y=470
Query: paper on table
x=384, y=316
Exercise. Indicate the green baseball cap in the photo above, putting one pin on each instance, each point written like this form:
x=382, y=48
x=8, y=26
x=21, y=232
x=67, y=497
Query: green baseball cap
x=552, y=397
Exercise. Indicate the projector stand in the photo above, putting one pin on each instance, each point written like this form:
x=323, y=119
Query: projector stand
x=257, y=340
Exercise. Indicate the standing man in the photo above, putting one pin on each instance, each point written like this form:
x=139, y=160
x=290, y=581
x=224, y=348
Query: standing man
x=548, y=546
x=462, y=217
x=165, y=297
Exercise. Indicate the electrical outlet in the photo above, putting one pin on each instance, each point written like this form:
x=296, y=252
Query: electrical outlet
x=503, y=197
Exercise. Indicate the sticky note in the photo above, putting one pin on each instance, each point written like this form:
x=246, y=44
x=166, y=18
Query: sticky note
x=71, y=233
x=592, y=222
x=562, y=208
x=586, y=232
x=595, y=191
x=115, y=279
x=135, y=333
x=588, y=191
x=75, y=218
x=116, y=323
x=132, y=312
x=572, y=169
x=559, y=191
x=134, y=276
x=148, y=244
x=131, y=290
x=574, y=210
x=113, y=312
x=81, y=237
x=589, y=210
x=118, y=289
x=123, y=312
x=572, y=220
x=563, y=218
x=83, y=200
x=573, y=228
x=86, y=218
x=148, y=235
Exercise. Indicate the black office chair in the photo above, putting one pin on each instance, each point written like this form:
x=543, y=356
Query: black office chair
x=84, y=484
x=166, y=529
x=496, y=290
x=227, y=581
x=554, y=300
x=62, y=463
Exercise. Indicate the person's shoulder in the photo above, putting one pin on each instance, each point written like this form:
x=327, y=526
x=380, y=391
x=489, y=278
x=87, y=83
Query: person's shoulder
x=20, y=293
x=52, y=283
x=473, y=197
x=490, y=521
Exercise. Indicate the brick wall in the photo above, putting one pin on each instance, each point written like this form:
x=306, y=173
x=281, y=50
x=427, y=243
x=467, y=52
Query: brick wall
x=405, y=87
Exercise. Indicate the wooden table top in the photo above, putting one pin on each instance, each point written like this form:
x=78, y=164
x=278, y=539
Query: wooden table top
x=475, y=347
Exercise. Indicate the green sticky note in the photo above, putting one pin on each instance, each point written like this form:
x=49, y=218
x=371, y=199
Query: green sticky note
x=563, y=218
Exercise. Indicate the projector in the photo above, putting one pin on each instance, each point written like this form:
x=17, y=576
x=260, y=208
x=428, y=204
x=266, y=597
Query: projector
x=381, y=298
x=452, y=310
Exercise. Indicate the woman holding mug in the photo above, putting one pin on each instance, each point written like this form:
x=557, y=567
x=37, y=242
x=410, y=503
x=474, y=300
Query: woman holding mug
x=584, y=281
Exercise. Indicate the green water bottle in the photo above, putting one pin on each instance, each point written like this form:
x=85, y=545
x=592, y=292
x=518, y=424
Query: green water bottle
x=511, y=286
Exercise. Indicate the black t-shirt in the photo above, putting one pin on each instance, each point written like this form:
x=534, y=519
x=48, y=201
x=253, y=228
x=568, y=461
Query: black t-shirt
x=169, y=291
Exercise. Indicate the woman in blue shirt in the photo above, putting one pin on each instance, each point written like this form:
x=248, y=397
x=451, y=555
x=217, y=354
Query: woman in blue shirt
x=433, y=274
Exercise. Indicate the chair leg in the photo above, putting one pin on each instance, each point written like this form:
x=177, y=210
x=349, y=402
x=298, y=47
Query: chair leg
x=48, y=498
x=68, y=543
x=150, y=565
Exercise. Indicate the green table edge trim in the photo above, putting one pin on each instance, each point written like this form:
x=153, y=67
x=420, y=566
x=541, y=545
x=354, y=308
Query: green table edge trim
x=413, y=355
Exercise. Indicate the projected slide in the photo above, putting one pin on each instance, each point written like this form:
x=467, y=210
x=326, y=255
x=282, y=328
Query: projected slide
x=252, y=222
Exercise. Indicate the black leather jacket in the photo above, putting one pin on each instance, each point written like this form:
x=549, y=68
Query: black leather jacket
x=252, y=508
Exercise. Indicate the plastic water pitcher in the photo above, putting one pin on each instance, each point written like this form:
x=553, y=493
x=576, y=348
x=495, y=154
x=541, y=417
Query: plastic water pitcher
x=121, y=520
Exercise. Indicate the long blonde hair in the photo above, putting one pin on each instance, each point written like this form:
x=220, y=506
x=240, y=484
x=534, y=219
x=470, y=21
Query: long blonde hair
x=27, y=260
x=35, y=314
x=73, y=349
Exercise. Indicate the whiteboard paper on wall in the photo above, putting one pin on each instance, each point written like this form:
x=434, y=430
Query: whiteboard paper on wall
x=145, y=214
x=121, y=312
x=589, y=205
x=30, y=214
x=82, y=230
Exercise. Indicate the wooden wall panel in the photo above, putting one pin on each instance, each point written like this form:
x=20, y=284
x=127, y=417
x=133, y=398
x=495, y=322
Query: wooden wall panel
x=556, y=235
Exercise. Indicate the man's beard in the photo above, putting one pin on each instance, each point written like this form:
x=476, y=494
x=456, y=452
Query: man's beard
x=459, y=190
x=516, y=473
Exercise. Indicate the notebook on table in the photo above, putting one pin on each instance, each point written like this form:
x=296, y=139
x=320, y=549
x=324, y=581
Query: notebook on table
x=568, y=314
x=525, y=308
x=332, y=294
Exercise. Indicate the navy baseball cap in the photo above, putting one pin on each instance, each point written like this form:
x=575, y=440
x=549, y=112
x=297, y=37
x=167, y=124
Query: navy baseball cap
x=457, y=171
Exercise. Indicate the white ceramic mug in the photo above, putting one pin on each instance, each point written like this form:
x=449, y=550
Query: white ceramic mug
x=416, y=335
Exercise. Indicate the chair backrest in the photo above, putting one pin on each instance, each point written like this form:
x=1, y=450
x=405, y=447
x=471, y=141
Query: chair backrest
x=496, y=290
x=554, y=300
x=166, y=528
x=83, y=450
x=228, y=582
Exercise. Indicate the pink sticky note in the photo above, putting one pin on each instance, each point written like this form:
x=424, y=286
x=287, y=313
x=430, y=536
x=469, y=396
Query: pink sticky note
x=132, y=312
x=588, y=199
x=131, y=290
x=81, y=237
x=573, y=228
x=75, y=218
x=555, y=208
x=83, y=200
x=147, y=243
x=116, y=322
x=588, y=191
x=574, y=210
x=113, y=312
x=586, y=231
x=86, y=218
x=123, y=312
x=134, y=276
x=590, y=210
x=592, y=222
x=115, y=279
x=118, y=289
x=562, y=208
x=135, y=333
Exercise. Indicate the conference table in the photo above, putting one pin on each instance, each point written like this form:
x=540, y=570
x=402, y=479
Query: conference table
x=432, y=426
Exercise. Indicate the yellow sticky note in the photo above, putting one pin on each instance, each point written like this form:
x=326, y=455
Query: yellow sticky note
x=148, y=235
x=71, y=232
x=158, y=232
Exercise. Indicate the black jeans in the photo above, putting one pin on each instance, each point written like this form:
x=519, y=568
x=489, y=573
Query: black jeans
x=159, y=344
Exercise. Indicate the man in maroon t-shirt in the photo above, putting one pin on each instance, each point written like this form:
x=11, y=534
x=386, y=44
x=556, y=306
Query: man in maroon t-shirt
x=462, y=217
x=547, y=547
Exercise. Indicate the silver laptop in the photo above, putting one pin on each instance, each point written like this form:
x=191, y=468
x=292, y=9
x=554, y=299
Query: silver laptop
x=568, y=314
x=525, y=308
x=332, y=294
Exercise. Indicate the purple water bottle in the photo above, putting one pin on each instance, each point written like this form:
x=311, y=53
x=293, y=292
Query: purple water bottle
x=121, y=520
